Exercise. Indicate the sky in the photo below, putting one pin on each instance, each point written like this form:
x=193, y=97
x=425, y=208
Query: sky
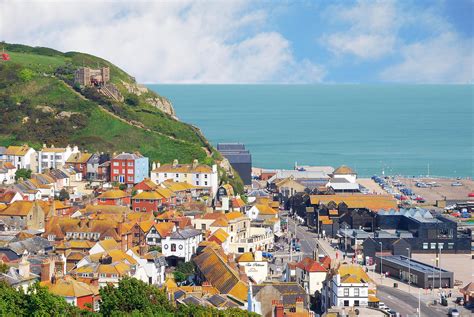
x=240, y=41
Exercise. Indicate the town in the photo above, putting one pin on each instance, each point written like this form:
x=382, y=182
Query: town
x=308, y=241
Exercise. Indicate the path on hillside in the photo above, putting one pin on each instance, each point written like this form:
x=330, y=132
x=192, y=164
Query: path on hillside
x=131, y=123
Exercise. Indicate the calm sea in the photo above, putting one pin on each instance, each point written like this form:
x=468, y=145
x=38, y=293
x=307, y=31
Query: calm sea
x=403, y=129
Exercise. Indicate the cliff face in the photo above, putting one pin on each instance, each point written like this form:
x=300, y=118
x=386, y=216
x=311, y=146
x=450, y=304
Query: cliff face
x=159, y=102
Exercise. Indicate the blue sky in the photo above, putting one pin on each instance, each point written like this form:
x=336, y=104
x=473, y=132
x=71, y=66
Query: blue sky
x=258, y=41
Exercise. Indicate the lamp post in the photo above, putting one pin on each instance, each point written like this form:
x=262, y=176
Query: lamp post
x=439, y=266
x=318, y=224
x=434, y=273
x=409, y=271
x=381, y=262
x=345, y=240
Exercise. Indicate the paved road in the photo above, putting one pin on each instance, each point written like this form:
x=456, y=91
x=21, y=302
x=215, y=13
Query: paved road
x=407, y=304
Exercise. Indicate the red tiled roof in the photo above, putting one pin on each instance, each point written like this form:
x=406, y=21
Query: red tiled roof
x=310, y=265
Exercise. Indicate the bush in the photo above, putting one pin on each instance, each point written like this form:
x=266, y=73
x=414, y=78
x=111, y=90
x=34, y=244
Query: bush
x=63, y=195
x=26, y=74
x=23, y=173
x=132, y=100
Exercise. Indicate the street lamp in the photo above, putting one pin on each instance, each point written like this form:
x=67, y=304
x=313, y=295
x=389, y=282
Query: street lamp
x=409, y=271
x=381, y=262
x=345, y=240
x=439, y=266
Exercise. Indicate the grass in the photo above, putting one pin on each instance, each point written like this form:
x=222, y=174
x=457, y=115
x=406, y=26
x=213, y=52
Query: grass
x=38, y=63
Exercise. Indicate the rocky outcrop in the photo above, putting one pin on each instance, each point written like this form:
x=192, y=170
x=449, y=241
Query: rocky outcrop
x=161, y=103
x=135, y=88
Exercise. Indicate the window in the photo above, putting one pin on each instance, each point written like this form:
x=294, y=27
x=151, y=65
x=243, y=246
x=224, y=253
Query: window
x=173, y=247
x=205, y=175
x=137, y=209
x=356, y=292
x=425, y=246
x=240, y=250
x=130, y=171
x=130, y=163
x=177, y=175
x=356, y=303
x=116, y=171
x=116, y=164
x=346, y=292
x=346, y=303
x=197, y=183
x=166, y=174
x=440, y=245
x=231, y=228
x=130, y=178
x=203, y=226
x=102, y=275
x=450, y=245
x=205, y=183
x=433, y=246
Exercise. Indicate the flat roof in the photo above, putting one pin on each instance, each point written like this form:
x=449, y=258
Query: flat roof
x=413, y=264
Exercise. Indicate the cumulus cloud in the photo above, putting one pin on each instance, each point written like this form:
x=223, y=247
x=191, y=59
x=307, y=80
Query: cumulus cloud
x=369, y=29
x=445, y=58
x=182, y=41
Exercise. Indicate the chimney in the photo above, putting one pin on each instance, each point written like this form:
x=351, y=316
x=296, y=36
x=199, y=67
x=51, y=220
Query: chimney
x=195, y=163
x=153, y=166
x=142, y=249
x=24, y=267
x=46, y=270
x=44, y=145
x=299, y=305
x=175, y=162
x=278, y=308
x=258, y=256
x=158, y=164
x=214, y=168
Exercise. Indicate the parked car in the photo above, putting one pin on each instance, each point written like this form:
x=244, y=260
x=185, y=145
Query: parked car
x=453, y=312
x=456, y=184
x=459, y=300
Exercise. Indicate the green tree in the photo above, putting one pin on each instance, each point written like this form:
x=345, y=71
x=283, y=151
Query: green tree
x=23, y=173
x=122, y=187
x=179, y=276
x=133, y=296
x=63, y=195
x=3, y=267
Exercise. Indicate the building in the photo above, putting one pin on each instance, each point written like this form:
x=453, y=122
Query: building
x=20, y=278
x=94, y=163
x=147, y=202
x=181, y=245
x=196, y=174
x=22, y=157
x=343, y=179
x=53, y=157
x=22, y=215
x=310, y=274
x=255, y=266
x=415, y=272
x=129, y=168
x=79, y=294
x=213, y=266
x=7, y=173
x=86, y=76
x=239, y=158
x=115, y=197
x=79, y=161
x=289, y=297
x=348, y=286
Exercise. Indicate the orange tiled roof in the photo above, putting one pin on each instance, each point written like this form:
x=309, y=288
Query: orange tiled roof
x=310, y=265
x=113, y=194
x=220, y=222
x=17, y=150
x=183, y=168
x=372, y=202
x=220, y=235
x=343, y=170
x=233, y=215
x=153, y=195
x=18, y=208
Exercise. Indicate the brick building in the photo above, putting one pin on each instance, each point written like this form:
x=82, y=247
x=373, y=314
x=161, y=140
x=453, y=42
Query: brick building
x=129, y=168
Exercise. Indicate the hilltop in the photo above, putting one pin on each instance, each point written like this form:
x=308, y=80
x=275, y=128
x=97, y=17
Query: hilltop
x=41, y=103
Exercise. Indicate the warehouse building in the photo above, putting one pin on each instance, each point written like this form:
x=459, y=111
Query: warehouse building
x=418, y=273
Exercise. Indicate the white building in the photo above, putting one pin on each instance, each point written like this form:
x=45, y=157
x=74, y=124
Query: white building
x=196, y=174
x=343, y=179
x=310, y=274
x=54, y=157
x=255, y=266
x=153, y=266
x=22, y=157
x=347, y=288
x=7, y=173
x=181, y=245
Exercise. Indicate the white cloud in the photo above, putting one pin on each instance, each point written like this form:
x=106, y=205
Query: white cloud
x=369, y=32
x=182, y=41
x=446, y=58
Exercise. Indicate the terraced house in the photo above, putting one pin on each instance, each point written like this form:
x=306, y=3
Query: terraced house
x=54, y=157
x=22, y=157
x=196, y=174
x=129, y=168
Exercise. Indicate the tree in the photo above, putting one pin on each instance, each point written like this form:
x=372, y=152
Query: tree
x=23, y=173
x=3, y=267
x=122, y=187
x=63, y=195
x=132, y=296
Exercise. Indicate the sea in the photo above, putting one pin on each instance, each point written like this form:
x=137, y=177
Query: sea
x=409, y=130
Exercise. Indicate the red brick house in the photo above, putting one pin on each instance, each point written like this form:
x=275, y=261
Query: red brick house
x=147, y=201
x=115, y=197
x=79, y=162
x=129, y=168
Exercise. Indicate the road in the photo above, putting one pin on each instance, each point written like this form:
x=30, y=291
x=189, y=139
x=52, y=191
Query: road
x=407, y=304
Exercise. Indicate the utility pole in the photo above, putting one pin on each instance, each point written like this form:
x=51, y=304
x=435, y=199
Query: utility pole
x=439, y=266
x=409, y=271
x=381, y=262
x=419, y=302
x=318, y=225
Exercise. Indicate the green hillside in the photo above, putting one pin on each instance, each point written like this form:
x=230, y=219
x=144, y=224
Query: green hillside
x=41, y=104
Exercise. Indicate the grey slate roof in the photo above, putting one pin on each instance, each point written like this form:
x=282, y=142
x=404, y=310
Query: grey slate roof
x=31, y=245
x=128, y=156
x=185, y=234
x=289, y=292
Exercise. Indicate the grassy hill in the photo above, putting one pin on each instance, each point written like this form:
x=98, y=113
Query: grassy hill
x=40, y=104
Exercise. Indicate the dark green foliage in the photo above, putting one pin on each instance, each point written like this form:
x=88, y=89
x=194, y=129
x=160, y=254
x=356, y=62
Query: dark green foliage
x=3, y=267
x=132, y=100
x=63, y=195
x=22, y=173
x=37, y=301
x=122, y=187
